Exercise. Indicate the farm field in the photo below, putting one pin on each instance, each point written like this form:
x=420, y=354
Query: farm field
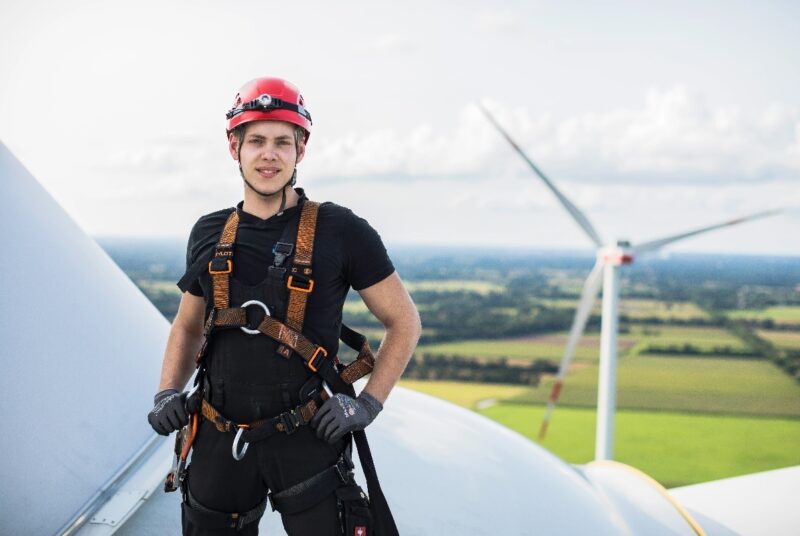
x=704, y=338
x=551, y=346
x=674, y=448
x=779, y=314
x=453, y=285
x=787, y=340
x=708, y=385
x=663, y=383
x=638, y=308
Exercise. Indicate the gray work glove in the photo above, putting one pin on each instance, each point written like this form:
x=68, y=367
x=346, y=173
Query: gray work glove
x=342, y=414
x=169, y=412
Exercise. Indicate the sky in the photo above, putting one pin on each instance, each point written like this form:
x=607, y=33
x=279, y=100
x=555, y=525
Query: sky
x=652, y=117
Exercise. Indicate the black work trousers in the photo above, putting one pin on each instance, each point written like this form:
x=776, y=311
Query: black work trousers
x=220, y=483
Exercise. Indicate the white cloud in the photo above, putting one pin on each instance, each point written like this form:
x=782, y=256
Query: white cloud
x=392, y=42
x=674, y=137
x=497, y=20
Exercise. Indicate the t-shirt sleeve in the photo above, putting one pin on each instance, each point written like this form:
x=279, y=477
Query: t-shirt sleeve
x=367, y=260
x=193, y=287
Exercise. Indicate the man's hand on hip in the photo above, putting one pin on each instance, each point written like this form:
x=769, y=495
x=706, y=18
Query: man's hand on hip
x=169, y=412
x=342, y=414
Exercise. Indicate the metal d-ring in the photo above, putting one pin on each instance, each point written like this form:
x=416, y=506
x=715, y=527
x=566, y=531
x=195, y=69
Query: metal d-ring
x=327, y=389
x=238, y=455
x=245, y=328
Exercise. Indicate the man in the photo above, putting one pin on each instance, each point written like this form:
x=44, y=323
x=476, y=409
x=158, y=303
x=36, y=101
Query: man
x=261, y=311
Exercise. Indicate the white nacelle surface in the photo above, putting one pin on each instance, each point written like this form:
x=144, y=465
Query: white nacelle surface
x=80, y=356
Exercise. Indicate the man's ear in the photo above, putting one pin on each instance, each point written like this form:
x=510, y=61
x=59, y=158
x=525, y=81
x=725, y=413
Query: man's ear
x=301, y=150
x=233, y=146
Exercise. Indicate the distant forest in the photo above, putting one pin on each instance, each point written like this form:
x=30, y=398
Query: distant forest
x=530, y=292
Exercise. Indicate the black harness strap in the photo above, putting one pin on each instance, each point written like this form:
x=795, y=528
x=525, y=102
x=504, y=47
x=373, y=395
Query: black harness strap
x=309, y=492
x=213, y=519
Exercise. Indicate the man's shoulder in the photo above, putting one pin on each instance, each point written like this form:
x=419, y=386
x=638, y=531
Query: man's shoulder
x=216, y=216
x=207, y=229
x=211, y=222
x=329, y=209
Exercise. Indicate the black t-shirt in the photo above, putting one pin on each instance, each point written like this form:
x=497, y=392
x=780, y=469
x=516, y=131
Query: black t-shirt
x=348, y=252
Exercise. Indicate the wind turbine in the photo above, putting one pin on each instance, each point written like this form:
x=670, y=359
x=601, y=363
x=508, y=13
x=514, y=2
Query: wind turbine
x=605, y=274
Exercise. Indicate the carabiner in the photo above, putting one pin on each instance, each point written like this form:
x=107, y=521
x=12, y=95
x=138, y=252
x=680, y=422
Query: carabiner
x=238, y=455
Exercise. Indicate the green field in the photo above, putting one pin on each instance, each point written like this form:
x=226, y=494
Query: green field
x=637, y=308
x=787, y=340
x=706, y=385
x=551, y=346
x=781, y=315
x=154, y=285
x=674, y=448
x=466, y=395
x=713, y=385
x=454, y=285
x=528, y=348
x=704, y=338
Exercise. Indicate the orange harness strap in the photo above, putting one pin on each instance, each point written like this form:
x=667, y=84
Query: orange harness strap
x=299, y=282
x=221, y=266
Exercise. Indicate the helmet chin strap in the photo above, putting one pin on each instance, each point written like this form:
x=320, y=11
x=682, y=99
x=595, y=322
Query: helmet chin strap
x=291, y=182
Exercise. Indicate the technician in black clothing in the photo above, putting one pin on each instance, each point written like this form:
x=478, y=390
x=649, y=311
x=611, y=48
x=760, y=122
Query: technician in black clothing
x=248, y=377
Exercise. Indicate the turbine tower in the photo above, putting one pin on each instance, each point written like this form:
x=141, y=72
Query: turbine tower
x=605, y=274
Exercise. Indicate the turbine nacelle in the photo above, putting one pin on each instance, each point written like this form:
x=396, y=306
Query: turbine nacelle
x=616, y=255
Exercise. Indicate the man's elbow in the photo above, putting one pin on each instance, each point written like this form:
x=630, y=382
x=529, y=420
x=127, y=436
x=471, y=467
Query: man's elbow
x=408, y=324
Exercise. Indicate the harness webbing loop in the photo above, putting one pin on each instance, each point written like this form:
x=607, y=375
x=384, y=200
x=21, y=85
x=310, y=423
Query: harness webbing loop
x=221, y=265
x=301, y=267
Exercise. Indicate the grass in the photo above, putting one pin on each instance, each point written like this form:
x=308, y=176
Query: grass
x=639, y=308
x=705, y=338
x=454, y=285
x=674, y=448
x=780, y=314
x=465, y=394
x=551, y=346
x=156, y=285
x=709, y=385
x=787, y=340
x=687, y=384
x=528, y=348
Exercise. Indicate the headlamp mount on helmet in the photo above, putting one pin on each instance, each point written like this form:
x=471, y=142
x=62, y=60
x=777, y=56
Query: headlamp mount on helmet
x=265, y=103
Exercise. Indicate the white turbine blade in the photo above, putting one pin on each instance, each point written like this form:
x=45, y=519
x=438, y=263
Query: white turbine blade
x=588, y=296
x=577, y=215
x=655, y=244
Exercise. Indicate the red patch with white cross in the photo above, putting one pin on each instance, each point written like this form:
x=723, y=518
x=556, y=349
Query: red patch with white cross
x=360, y=531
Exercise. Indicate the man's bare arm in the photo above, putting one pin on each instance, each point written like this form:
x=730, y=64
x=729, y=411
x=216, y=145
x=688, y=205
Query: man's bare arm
x=185, y=338
x=389, y=301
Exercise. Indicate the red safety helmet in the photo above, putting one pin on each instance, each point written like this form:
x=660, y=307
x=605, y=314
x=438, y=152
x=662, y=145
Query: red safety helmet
x=269, y=99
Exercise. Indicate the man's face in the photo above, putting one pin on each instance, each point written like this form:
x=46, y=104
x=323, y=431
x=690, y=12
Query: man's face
x=268, y=155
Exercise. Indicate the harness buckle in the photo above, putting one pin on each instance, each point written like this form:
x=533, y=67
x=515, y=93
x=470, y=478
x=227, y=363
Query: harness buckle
x=317, y=352
x=303, y=280
x=218, y=266
x=290, y=421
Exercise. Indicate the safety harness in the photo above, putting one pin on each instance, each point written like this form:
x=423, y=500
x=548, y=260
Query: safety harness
x=331, y=376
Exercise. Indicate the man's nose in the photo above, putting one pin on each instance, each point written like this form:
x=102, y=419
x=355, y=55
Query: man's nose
x=269, y=152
